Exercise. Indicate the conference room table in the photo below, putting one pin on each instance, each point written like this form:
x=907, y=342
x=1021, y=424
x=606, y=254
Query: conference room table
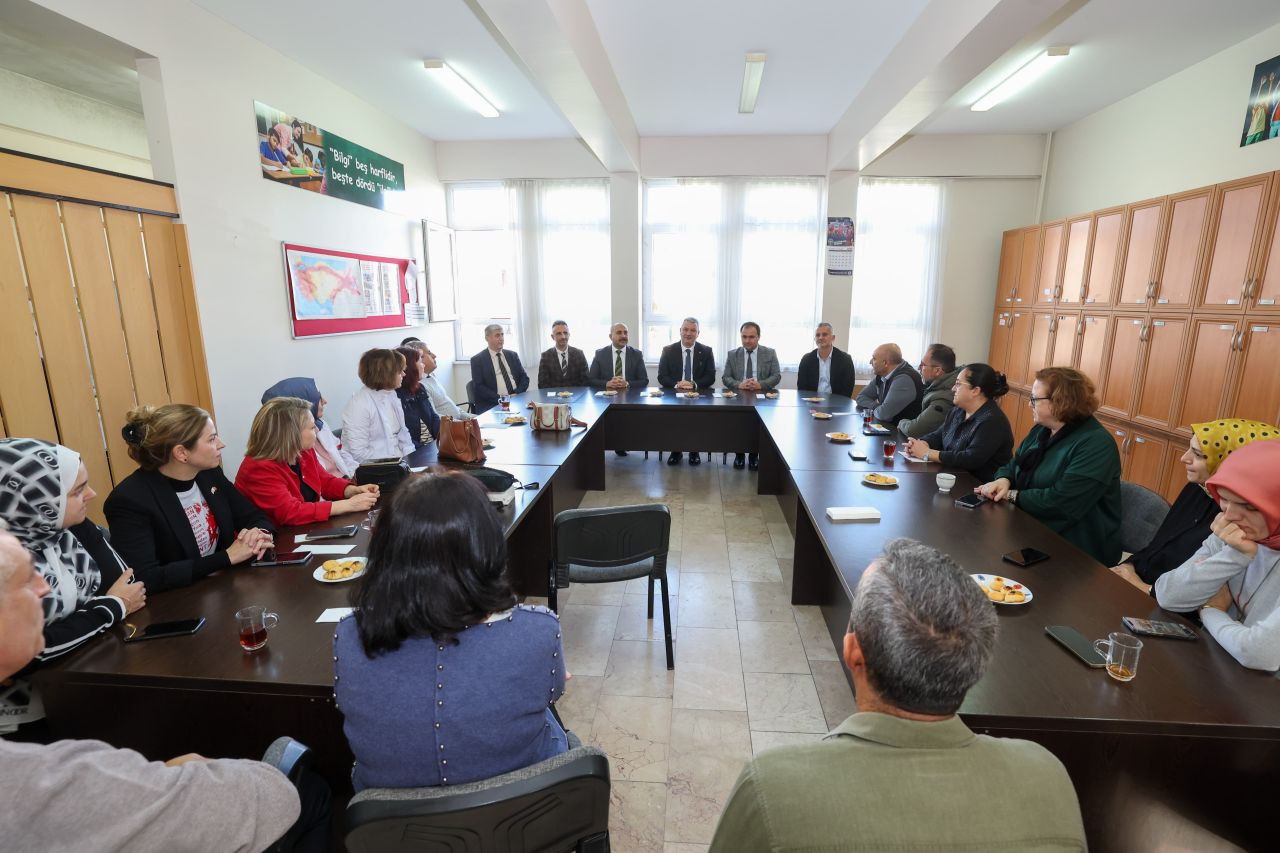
x=1181, y=755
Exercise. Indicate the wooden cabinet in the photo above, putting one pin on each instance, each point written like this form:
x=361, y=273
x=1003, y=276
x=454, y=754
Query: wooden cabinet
x=1010, y=259
x=1094, y=340
x=1028, y=266
x=1209, y=362
x=1050, y=255
x=1009, y=404
x=1175, y=472
x=1065, y=333
x=998, y=350
x=1142, y=235
x=1257, y=383
x=1075, y=257
x=1266, y=290
x=1019, y=347
x=1239, y=210
x=1025, y=420
x=1104, y=257
x=1127, y=336
x=1143, y=460
x=1164, y=340
x=1181, y=244
x=1041, y=346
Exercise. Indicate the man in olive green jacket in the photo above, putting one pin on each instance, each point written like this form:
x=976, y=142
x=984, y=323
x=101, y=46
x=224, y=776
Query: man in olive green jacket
x=938, y=371
x=904, y=773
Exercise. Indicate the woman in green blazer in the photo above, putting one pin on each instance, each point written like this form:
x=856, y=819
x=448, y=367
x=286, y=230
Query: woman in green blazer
x=1067, y=471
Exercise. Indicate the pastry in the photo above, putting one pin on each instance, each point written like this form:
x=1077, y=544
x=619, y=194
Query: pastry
x=997, y=583
x=1014, y=596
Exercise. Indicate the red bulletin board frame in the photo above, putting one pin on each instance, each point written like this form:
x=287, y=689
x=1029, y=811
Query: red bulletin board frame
x=345, y=325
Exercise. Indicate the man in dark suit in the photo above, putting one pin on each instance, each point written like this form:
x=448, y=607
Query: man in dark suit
x=562, y=366
x=687, y=365
x=826, y=370
x=496, y=372
x=617, y=366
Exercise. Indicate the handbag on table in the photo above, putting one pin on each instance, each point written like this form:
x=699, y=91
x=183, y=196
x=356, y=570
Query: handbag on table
x=459, y=440
x=553, y=417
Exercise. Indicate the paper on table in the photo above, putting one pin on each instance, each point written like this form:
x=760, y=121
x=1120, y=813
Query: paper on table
x=334, y=614
x=853, y=513
x=911, y=458
x=329, y=549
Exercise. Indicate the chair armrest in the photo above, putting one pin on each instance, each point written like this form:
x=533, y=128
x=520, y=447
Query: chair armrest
x=289, y=757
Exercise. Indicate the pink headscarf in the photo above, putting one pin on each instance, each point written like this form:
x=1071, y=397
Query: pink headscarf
x=1253, y=473
x=284, y=135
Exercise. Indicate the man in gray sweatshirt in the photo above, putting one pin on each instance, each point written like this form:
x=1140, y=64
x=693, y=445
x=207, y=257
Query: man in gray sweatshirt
x=88, y=795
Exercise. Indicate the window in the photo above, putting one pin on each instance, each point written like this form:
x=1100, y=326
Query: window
x=528, y=253
x=729, y=250
x=895, y=268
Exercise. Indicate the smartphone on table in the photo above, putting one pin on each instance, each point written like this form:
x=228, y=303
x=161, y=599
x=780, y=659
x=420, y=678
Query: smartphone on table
x=160, y=630
x=1076, y=643
x=1152, y=628
x=334, y=533
x=970, y=501
x=283, y=558
x=1024, y=557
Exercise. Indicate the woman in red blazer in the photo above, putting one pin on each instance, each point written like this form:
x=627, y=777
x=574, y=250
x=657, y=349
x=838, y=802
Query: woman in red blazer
x=282, y=474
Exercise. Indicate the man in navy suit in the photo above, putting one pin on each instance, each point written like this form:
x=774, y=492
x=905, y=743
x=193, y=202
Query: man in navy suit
x=687, y=365
x=618, y=366
x=496, y=372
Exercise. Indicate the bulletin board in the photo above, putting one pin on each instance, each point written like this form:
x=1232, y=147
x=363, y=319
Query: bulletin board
x=337, y=293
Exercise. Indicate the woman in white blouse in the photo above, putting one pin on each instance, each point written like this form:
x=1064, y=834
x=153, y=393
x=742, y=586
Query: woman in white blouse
x=373, y=421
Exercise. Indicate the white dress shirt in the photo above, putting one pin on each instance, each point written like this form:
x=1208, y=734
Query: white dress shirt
x=373, y=426
x=500, y=364
x=824, y=373
x=441, y=402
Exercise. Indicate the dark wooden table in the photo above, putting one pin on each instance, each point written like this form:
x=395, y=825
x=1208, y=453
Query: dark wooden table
x=1195, y=735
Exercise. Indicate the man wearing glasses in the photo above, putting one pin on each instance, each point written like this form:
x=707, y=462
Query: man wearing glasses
x=939, y=373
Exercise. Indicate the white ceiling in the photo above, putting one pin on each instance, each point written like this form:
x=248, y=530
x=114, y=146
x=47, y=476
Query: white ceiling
x=680, y=63
x=1118, y=47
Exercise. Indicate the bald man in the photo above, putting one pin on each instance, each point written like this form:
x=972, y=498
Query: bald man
x=896, y=391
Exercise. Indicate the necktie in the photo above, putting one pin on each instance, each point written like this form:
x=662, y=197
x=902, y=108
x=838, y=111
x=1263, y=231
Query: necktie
x=688, y=366
x=506, y=377
x=617, y=362
x=564, y=362
x=750, y=375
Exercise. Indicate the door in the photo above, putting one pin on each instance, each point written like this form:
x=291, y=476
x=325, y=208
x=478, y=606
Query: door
x=1019, y=347
x=1094, y=337
x=1142, y=236
x=1144, y=460
x=1041, y=343
x=1258, y=381
x=1104, y=257
x=1238, y=209
x=1180, y=247
x=1161, y=363
x=1010, y=258
x=1175, y=472
x=1122, y=369
x=1071, y=290
x=998, y=350
x=1209, y=362
x=1066, y=331
x=1050, y=255
x=1028, y=267
x=1266, y=295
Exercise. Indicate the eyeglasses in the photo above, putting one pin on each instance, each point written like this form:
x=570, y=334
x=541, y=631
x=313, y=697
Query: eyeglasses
x=1031, y=401
x=965, y=384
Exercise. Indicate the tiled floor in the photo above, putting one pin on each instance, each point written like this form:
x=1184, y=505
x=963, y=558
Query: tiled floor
x=752, y=671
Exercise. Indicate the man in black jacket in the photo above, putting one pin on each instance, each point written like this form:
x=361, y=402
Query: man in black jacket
x=687, y=365
x=562, y=366
x=826, y=370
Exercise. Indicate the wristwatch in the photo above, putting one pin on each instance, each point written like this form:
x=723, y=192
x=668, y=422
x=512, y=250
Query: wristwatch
x=1013, y=496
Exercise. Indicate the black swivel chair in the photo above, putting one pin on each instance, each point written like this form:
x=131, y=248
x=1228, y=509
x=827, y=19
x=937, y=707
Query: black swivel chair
x=561, y=804
x=1141, y=513
x=613, y=544
x=471, y=395
x=294, y=760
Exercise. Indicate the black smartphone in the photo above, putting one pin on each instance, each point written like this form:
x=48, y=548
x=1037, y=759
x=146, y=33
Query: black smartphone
x=334, y=533
x=1151, y=628
x=159, y=630
x=287, y=558
x=532, y=487
x=1076, y=644
x=970, y=501
x=1025, y=557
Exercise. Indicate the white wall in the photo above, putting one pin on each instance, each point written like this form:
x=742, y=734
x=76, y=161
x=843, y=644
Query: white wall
x=951, y=155
x=524, y=158
x=717, y=156
x=210, y=75
x=1178, y=134
x=42, y=119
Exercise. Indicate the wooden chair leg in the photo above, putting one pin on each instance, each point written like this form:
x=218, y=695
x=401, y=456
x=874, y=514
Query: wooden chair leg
x=666, y=619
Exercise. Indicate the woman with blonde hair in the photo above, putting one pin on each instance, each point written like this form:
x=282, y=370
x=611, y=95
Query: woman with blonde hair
x=373, y=422
x=282, y=475
x=178, y=518
x=1066, y=472
x=329, y=450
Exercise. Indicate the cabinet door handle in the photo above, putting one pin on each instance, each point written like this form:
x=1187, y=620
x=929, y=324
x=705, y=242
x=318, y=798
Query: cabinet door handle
x=1137, y=439
x=1124, y=448
x=1151, y=290
x=1253, y=288
x=1144, y=335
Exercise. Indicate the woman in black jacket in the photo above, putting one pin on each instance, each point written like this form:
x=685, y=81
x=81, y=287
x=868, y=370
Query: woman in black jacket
x=178, y=518
x=976, y=435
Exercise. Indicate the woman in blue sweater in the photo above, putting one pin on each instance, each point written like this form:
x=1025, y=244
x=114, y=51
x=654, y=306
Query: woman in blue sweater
x=441, y=676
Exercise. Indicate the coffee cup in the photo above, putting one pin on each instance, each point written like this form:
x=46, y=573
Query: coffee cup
x=945, y=482
x=254, y=623
x=1121, y=651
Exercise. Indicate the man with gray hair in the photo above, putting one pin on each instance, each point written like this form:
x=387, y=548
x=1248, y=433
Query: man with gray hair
x=495, y=372
x=687, y=365
x=827, y=369
x=904, y=772
x=896, y=391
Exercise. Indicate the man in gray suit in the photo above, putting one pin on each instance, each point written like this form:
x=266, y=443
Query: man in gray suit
x=753, y=368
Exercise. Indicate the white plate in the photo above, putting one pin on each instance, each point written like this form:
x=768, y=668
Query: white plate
x=772, y=395
x=609, y=393
x=983, y=580
x=892, y=485
x=822, y=416
x=841, y=437
x=691, y=394
x=728, y=393
x=318, y=574
x=813, y=399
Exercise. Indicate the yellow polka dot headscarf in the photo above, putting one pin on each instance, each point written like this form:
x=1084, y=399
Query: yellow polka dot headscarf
x=1218, y=438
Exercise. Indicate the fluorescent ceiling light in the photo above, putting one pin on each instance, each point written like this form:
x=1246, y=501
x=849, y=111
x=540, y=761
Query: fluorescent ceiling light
x=751, y=82
x=461, y=89
x=1021, y=79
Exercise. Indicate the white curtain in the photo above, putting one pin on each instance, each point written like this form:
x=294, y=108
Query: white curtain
x=896, y=267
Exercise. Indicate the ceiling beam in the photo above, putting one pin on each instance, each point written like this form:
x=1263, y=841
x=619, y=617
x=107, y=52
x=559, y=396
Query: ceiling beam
x=951, y=42
x=556, y=44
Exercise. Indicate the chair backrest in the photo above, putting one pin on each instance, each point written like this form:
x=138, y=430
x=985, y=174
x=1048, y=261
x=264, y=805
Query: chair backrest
x=1141, y=513
x=471, y=395
x=611, y=536
x=559, y=804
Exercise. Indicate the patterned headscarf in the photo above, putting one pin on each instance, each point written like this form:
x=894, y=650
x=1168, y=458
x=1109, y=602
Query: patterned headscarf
x=302, y=387
x=1219, y=438
x=1251, y=472
x=37, y=477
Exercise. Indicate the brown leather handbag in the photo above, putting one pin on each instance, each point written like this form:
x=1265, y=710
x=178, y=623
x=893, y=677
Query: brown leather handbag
x=459, y=440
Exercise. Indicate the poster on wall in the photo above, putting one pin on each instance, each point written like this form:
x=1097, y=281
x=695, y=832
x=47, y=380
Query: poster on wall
x=297, y=154
x=839, y=245
x=1262, y=113
x=333, y=293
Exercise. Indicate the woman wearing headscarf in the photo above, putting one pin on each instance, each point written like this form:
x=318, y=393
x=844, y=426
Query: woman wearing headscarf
x=45, y=500
x=1187, y=523
x=1233, y=577
x=420, y=417
x=335, y=460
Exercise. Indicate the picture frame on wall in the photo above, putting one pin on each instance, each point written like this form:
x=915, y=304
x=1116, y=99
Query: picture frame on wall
x=441, y=270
